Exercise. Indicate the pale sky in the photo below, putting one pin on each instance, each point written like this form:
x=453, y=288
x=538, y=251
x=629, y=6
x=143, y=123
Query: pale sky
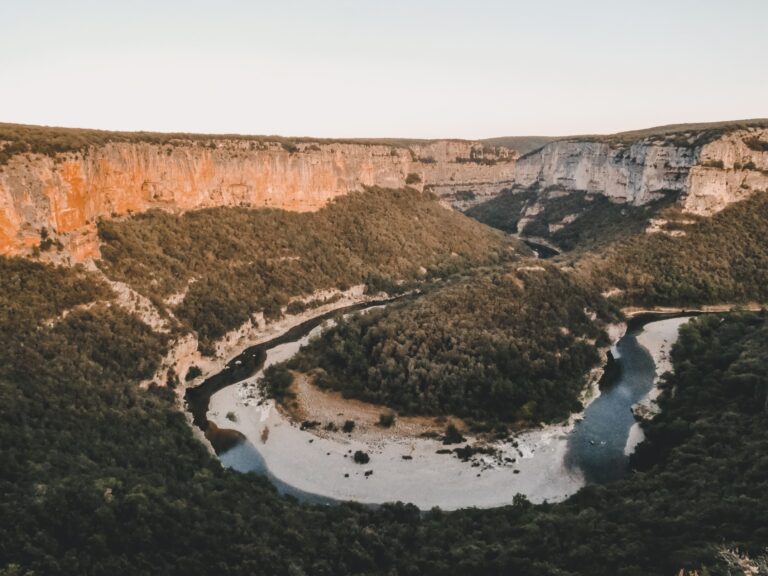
x=385, y=68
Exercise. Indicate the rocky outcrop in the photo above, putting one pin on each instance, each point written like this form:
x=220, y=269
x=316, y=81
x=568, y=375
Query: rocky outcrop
x=730, y=169
x=67, y=193
x=706, y=177
x=635, y=174
x=465, y=174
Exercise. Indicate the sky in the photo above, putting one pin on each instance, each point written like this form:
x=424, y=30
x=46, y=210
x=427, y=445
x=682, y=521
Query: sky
x=384, y=68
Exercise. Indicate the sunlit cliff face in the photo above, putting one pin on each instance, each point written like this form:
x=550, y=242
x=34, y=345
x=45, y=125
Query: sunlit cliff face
x=68, y=193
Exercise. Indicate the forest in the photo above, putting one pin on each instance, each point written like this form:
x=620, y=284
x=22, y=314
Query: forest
x=100, y=477
x=600, y=222
x=691, y=261
x=722, y=259
x=503, y=211
x=509, y=347
x=230, y=263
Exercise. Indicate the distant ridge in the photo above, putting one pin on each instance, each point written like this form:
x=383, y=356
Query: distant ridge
x=521, y=144
x=527, y=144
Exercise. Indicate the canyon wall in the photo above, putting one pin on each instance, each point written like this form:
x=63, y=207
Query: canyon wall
x=64, y=194
x=67, y=193
x=730, y=169
x=464, y=173
x=706, y=177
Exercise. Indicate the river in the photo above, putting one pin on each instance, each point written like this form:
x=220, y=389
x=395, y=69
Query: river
x=551, y=463
x=542, y=251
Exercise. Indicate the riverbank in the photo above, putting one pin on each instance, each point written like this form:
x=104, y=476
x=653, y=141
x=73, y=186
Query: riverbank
x=184, y=353
x=403, y=464
x=657, y=338
x=632, y=311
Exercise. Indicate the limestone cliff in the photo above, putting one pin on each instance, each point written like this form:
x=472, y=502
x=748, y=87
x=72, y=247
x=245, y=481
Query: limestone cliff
x=707, y=176
x=66, y=193
x=729, y=169
x=465, y=173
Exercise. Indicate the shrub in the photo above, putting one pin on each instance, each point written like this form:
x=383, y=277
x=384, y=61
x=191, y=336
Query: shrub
x=172, y=379
x=452, y=435
x=361, y=457
x=386, y=420
x=296, y=307
x=192, y=373
x=276, y=382
x=412, y=178
x=756, y=144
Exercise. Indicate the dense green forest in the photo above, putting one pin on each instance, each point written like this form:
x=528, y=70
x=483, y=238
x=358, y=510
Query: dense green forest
x=513, y=347
x=692, y=261
x=719, y=259
x=503, y=211
x=237, y=261
x=598, y=223
x=102, y=478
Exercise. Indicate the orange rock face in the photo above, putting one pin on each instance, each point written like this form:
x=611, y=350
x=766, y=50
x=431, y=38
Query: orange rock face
x=69, y=193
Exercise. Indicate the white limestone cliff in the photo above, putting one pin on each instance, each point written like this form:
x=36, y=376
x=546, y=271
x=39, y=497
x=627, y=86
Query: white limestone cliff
x=706, y=177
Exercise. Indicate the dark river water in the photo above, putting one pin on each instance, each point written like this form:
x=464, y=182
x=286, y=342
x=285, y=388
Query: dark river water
x=541, y=250
x=595, y=446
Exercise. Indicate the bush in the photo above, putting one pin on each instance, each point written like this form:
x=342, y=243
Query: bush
x=452, y=435
x=296, y=307
x=361, y=457
x=412, y=178
x=386, y=420
x=756, y=144
x=192, y=373
x=276, y=382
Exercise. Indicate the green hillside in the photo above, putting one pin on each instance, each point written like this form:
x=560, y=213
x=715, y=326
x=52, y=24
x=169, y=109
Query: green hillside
x=233, y=262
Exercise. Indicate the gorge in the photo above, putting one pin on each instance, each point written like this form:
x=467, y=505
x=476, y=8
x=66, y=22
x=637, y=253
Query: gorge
x=66, y=188
x=140, y=269
x=547, y=464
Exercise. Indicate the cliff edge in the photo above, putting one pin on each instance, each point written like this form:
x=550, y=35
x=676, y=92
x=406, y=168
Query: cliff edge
x=51, y=190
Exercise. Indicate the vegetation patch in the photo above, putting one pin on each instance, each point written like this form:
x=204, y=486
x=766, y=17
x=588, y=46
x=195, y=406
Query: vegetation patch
x=235, y=262
x=103, y=478
x=361, y=457
x=503, y=211
x=722, y=259
x=571, y=221
x=513, y=346
x=590, y=221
